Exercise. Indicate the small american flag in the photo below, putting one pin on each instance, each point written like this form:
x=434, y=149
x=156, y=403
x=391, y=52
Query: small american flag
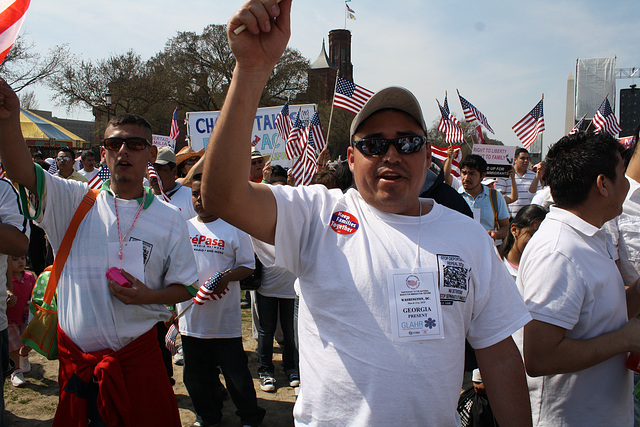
x=102, y=175
x=53, y=169
x=528, y=128
x=295, y=142
x=175, y=130
x=11, y=19
x=453, y=132
x=440, y=153
x=578, y=127
x=471, y=113
x=315, y=128
x=153, y=174
x=605, y=120
x=283, y=122
x=2, y=173
x=170, y=339
x=205, y=292
x=306, y=166
x=349, y=96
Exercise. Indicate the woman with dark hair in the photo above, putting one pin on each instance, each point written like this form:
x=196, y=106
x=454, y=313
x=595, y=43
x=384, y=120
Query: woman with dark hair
x=523, y=226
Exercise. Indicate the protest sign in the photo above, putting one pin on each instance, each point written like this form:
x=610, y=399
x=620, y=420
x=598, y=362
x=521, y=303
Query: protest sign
x=200, y=125
x=164, y=141
x=499, y=158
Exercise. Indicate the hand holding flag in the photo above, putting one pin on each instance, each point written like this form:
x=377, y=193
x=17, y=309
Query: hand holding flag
x=213, y=289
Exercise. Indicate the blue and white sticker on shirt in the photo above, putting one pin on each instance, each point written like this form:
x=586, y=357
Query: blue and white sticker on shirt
x=344, y=223
x=414, y=304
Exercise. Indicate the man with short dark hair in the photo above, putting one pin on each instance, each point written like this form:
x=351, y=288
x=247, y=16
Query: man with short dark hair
x=487, y=204
x=179, y=195
x=111, y=370
x=64, y=162
x=88, y=161
x=577, y=344
x=387, y=290
x=523, y=176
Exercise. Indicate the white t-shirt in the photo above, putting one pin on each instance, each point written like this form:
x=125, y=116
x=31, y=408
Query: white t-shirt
x=277, y=282
x=89, y=175
x=10, y=213
x=523, y=182
x=87, y=312
x=217, y=246
x=569, y=279
x=181, y=198
x=352, y=372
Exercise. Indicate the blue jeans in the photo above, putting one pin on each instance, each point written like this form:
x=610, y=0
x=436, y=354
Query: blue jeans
x=200, y=376
x=268, y=309
x=4, y=363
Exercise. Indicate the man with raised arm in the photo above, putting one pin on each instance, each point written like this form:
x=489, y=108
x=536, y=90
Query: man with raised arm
x=111, y=370
x=387, y=291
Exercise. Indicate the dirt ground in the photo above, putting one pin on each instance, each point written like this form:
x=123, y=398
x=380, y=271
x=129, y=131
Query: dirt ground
x=35, y=404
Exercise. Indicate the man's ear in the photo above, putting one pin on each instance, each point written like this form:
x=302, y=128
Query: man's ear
x=350, y=157
x=153, y=153
x=602, y=185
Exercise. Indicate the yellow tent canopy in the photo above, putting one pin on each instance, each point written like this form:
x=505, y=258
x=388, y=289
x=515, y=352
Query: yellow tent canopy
x=42, y=132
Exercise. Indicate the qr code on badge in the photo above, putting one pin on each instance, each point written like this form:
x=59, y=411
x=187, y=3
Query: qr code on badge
x=455, y=277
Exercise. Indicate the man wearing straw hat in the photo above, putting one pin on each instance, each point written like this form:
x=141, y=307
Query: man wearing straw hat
x=388, y=291
x=257, y=163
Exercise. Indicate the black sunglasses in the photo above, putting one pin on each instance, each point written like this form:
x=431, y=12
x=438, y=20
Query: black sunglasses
x=134, y=143
x=404, y=145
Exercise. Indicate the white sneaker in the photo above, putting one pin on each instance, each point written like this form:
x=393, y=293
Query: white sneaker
x=25, y=365
x=17, y=379
x=267, y=383
x=178, y=358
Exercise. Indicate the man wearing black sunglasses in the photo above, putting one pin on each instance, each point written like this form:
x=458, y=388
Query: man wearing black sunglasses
x=390, y=284
x=107, y=339
x=64, y=163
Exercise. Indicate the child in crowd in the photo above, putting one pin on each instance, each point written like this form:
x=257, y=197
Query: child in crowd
x=523, y=226
x=212, y=332
x=17, y=315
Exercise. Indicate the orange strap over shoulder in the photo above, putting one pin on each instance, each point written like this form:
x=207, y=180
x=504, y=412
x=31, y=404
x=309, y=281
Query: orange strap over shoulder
x=65, y=247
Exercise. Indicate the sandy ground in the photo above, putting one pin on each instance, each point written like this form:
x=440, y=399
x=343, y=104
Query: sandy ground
x=35, y=404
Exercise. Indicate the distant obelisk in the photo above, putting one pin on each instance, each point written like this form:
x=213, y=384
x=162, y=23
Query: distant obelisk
x=569, y=118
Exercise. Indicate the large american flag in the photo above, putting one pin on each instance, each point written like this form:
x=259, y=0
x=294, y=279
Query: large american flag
x=175, y=130
x=578, y=127
x=205, y=293
x=153, y=174
x=306, y=166
x=296, y=140
x=283, y=122
x=528, y=128
x=12, y=16
x=449, y=125
x=349, y=96
x=440, y=153
x=471, y=113
x=315, y=128
x=605, y=120
x=102, y=175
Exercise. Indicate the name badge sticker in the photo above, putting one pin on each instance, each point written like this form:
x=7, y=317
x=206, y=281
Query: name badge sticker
x=414, y=304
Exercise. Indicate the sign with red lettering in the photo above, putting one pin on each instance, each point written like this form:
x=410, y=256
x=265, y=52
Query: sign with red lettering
x=344, y=223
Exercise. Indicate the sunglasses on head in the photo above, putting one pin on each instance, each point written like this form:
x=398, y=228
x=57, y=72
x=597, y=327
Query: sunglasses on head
x=135, y=143
x=404, y=145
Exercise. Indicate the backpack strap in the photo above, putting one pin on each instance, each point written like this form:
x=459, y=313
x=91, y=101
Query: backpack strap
x=493, y=196
x=65, y=247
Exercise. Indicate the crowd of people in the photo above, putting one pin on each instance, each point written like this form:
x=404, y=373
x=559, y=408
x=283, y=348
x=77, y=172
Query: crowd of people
x=383, y=284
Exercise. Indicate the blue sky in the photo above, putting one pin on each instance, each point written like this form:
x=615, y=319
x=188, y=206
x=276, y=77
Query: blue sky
x=501, y=55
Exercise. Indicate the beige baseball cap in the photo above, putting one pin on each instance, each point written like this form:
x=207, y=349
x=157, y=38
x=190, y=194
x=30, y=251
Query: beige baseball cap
x=165, y=155
x=394, y=97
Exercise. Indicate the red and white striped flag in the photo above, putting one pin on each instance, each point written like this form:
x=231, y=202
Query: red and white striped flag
x=528, y=128
x=315, y=128
x=479, y=134
x=153, y=174
x=295, y=141
x=102, y=175
x=283, y=122
x=205, y=293
x=2, y=172
x=349, y=96
x=471, y=113
x=449, y=124
x=12, y=14
x=440, y=153
x=605, y=120
x=578, y=127
x=306, y=166
x=175, y=130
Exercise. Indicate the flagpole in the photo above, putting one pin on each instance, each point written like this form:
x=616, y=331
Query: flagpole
x=335, y=86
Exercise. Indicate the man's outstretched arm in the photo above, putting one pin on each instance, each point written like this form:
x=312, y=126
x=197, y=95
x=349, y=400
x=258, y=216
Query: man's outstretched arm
x=226, y=190
x=16, y=159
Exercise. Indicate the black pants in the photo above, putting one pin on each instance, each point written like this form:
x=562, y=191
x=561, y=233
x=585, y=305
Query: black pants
x=200, y=377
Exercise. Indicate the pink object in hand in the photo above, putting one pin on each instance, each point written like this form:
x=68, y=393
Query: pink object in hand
x=114, y=274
